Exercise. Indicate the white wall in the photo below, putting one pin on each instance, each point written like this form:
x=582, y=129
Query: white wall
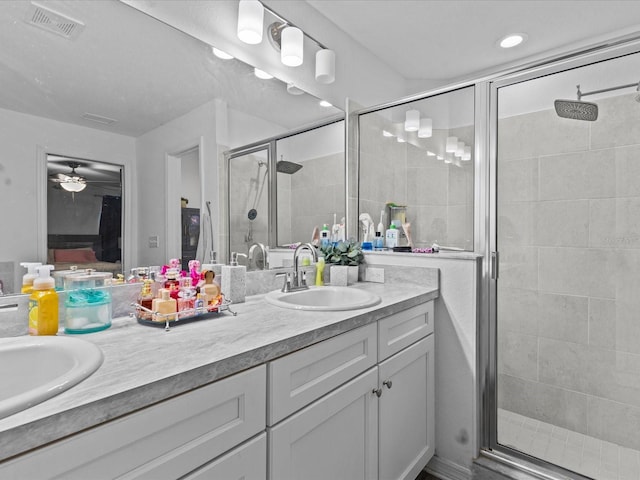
x=21, y=136
x=152, y=148
x=245, y=129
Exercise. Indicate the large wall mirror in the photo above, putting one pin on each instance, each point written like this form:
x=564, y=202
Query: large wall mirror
x=416, y=164
x=117, y=87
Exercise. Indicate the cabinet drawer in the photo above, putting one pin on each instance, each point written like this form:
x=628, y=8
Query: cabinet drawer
x=400, y=330
x=246, y=462
x=304, y=376
x=164, y=441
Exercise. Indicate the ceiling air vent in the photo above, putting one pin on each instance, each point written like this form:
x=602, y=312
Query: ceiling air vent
x=98, y=118
x=55, y=22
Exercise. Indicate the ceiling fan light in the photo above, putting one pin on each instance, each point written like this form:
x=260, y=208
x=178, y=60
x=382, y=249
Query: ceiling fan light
x=250, y=21
x=73, y=186
x=292, y=48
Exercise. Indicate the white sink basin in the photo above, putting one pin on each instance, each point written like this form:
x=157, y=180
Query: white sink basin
x=324, y=299
x=34, y=369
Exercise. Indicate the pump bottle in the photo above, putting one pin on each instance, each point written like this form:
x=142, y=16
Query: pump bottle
x=30, y=276
x=43, y=304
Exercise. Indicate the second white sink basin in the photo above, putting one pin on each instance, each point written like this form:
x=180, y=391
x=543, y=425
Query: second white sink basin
x=324, y=299
x=34, y=369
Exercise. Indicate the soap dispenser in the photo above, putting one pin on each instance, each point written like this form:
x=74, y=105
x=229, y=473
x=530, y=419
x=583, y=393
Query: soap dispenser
x=43, y=304
x=30, y=276
x=234, y=280
x=391, y=238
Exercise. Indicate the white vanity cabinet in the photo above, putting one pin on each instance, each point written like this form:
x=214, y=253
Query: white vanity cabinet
x=164, y=441
x=378, y=424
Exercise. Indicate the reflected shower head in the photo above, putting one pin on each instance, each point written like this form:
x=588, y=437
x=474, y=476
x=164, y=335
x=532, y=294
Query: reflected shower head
x=576, y=110
x=287, y=167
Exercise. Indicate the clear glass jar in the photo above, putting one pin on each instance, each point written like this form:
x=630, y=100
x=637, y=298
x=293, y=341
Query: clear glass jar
x=88, y=302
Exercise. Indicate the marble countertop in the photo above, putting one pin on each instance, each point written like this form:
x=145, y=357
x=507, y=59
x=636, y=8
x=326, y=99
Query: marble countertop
x=144, y=365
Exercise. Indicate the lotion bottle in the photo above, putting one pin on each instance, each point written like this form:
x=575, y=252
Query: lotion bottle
x=320, y=272
x=43, y=304
x=391, y=238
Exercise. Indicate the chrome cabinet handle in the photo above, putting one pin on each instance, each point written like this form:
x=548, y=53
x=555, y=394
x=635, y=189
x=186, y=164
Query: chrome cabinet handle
x=377, y=391
x=388, y=384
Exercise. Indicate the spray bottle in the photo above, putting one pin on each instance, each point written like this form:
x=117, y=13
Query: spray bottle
x=30, y=276
x=43, y=304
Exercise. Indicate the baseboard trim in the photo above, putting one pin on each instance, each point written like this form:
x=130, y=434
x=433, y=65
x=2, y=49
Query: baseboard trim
x=447, y=470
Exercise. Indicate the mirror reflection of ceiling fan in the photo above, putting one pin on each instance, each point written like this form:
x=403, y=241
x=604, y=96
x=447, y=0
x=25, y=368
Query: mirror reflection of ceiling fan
x=73, y=182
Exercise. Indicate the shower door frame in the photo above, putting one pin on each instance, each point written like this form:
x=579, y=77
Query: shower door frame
x=491, y=449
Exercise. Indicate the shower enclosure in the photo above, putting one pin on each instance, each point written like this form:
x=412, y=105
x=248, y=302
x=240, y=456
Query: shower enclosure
x=565, y=298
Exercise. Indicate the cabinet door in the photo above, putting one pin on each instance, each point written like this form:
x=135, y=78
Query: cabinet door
x=246, y=462
x=334, y=438
x=300, y=378
x=407, y=422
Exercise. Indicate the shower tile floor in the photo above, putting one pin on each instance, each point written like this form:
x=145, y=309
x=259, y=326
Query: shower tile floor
x=574, y=451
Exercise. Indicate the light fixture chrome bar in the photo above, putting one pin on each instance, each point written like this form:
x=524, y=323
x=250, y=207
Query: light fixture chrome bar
x=289, y=24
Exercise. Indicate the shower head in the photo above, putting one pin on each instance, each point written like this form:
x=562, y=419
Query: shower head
x=576, y=110
x=287, y=167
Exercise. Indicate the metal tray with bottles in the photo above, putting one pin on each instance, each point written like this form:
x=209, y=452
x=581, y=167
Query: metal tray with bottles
x=148, y=317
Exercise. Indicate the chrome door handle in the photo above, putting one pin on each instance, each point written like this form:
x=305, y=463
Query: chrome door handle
x=388, y=384
x=377, y=391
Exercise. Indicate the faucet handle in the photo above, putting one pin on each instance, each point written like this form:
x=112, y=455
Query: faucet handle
x=287, y=281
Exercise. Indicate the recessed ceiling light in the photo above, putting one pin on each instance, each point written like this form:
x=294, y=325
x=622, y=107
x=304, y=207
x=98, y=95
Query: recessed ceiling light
x=220, y=54
x=512, y=40
x=324, y=103
x=262, y=74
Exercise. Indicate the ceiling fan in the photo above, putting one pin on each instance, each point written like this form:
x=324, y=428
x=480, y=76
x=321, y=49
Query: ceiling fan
x=72, y=181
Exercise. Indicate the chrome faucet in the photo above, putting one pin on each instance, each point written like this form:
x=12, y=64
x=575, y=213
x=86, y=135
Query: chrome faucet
x=264, y=265
x=296, y=280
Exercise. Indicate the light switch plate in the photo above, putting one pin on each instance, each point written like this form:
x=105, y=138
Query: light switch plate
x=153, y=242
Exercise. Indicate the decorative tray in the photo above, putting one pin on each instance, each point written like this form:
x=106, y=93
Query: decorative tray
x=148, y=317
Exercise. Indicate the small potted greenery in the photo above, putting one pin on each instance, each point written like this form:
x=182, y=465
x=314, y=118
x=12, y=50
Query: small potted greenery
x=343, y=259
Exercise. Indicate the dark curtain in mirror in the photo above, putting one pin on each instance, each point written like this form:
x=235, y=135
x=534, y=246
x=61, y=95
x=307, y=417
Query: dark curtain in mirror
x=111, y=228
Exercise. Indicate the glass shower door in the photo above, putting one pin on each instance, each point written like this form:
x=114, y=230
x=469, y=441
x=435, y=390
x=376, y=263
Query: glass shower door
x=567, y=299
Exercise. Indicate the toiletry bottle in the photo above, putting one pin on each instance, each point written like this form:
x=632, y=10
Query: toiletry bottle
x=43, y=304
x=146, y=299
x=378, y=243
x=234, y=286
x=210, y=290
x=30, y=276
x=165, y=307
x=172, y=283
x=199, y=304
x=324, y=236
x=186, y=298
x=320, y=272
x=391, y=238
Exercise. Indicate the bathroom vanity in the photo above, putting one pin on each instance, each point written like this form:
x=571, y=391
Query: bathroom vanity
x=346, y=394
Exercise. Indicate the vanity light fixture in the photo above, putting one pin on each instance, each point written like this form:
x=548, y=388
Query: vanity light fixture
x=293, y=90
x=325, y=66
x=412, y=121
x=250, y=21
x=262, y=74
x=221, y=54
x=73, y=185
x=292, y=47
x=466, y=156
x=460, y=150
x=324, y=103
x=512, y=40
x=387, y=134
x=426, y=128
x=451, y=144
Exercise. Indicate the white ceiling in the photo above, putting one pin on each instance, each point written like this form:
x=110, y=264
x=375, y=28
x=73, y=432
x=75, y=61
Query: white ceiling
x=131, y=67
x=452, y=39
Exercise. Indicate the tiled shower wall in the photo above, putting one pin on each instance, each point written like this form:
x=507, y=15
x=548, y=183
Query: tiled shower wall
x=311, y=196
x=569, y=285
x=439, y=196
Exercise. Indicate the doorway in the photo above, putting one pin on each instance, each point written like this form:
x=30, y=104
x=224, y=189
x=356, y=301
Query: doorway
x=564, y=305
